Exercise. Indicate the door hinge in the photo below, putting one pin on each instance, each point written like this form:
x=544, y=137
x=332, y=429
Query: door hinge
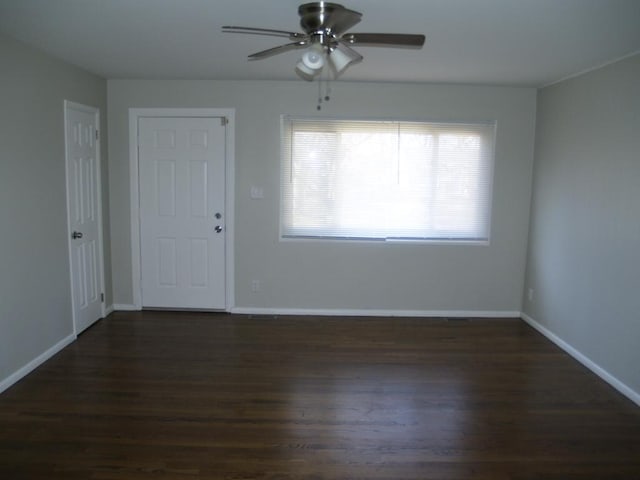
x=97, y=134
x=224, y=121
x=102, y=297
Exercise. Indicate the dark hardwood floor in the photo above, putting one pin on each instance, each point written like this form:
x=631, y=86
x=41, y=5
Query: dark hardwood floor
x=159, y=395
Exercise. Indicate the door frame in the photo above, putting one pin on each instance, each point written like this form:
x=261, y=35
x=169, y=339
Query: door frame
x=134, y=115
x=69, y=105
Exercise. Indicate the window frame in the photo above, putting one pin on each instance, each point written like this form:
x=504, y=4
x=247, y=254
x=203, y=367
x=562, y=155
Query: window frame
x=285, y=122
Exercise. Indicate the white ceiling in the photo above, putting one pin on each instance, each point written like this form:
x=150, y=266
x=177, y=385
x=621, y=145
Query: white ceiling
x=500, y=42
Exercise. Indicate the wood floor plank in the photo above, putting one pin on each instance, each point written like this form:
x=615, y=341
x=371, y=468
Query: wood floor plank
x=174, y=395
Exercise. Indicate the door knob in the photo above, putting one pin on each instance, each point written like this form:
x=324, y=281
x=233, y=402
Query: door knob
x=76, y=235
x=218, y=228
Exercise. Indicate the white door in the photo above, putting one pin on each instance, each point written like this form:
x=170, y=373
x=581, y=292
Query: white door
x=182, y=217
x=84, y=213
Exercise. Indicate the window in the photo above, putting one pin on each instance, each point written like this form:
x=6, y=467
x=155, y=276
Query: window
x=386, y=180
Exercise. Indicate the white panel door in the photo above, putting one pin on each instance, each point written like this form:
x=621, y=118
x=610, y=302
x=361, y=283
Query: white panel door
x=182, y=195
x=83, y=202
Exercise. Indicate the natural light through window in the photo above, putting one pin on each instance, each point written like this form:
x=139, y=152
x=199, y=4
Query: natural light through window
x=386, y=180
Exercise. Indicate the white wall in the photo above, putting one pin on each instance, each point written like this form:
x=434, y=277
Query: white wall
x=324, y=275
x=584, y=246
x=35, y=302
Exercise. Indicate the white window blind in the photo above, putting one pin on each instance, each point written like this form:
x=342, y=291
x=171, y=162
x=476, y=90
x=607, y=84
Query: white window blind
x=386, y=180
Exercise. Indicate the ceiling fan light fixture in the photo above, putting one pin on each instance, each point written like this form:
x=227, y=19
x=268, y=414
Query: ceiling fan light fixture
x=311, y=63
x=307, y=73
x=313, y=58
x=339, y=61
x=304, y=72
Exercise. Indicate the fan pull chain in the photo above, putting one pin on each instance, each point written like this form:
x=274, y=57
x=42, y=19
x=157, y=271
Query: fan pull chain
x=327, y=88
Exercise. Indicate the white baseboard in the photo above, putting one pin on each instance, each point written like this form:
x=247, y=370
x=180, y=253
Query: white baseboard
x=584, y=360
x=375, y=312
x=125, y=307
x=108, y=309
x=35, y=363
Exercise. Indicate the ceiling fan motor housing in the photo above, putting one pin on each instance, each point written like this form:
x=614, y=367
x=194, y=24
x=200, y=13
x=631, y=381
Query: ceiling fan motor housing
x=324, y=22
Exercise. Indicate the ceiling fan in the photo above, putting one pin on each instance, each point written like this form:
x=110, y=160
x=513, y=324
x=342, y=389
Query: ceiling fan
x=325, y=39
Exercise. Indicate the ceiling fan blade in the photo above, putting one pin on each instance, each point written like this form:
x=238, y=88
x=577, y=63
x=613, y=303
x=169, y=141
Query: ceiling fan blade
x=280, y=49
x=263, y=31
x=384, y=39
x=327, y=16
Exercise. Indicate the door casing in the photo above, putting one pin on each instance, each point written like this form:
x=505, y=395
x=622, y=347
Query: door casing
x=134, y=115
